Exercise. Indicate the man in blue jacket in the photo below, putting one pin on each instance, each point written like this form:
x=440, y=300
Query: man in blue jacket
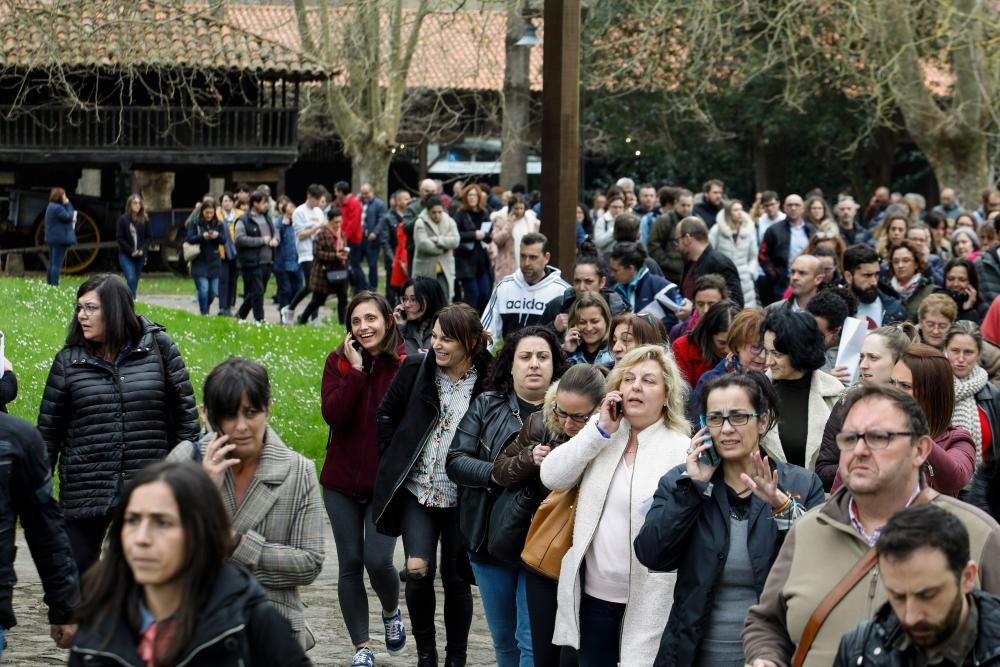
x=373, y=210
x=26, y=493
x=644, y=291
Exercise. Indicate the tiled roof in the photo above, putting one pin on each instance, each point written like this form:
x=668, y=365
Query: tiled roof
x=37, y=34
x=461, y=50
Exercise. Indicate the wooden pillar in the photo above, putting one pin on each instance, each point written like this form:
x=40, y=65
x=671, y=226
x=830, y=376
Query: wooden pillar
x=561, y=129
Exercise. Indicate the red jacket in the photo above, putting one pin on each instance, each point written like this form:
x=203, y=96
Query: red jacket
x=351, y=211
x=400, y=262
x=689, y=360
x=350, y=399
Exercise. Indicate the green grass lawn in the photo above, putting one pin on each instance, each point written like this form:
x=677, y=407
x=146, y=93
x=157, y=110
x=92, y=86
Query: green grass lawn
x=35, y=317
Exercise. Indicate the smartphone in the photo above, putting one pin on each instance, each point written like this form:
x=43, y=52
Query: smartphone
x=355, y=344
x=709, y=456
x=615, y=409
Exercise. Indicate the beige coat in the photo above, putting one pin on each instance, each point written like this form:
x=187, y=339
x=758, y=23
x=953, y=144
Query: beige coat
x=433, y=244
x=824, y=389
x=590, y=460
x=506, y=259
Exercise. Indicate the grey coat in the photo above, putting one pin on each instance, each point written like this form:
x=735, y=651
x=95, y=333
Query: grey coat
x=433, y=245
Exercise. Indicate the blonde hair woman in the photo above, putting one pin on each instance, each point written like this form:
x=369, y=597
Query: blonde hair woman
x=617, y=460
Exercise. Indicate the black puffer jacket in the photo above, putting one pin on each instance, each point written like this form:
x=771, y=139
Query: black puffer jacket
x=104, y=421
x=871, y=643
x=237, y=627
x=408, y=411
x=484, y=431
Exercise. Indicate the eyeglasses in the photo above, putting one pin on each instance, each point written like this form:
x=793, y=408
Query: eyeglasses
x=735, y=419
x=89, y=308
x=756, y=350
x=562, y=414
x=935, y=326
x=873, y=439
x=408, y=299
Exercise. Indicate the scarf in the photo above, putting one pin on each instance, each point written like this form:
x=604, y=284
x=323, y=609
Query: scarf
x=966, y=412
x=906, y=292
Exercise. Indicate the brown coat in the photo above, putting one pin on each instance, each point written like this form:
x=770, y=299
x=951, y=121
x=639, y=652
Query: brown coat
x=515, y=465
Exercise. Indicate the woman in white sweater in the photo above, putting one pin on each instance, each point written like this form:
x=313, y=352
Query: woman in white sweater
x=617, y=460
x=735, y=236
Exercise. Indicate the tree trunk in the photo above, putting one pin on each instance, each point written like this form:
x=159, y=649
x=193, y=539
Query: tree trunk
x=964, y=167
x=370, y=164
x=517, y=103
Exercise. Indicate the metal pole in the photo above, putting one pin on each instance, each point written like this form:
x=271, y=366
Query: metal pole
x=560, y=129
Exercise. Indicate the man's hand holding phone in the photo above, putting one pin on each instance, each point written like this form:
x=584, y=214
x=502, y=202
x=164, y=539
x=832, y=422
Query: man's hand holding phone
x=217, y=460
x=610, y=417
x=699, y=468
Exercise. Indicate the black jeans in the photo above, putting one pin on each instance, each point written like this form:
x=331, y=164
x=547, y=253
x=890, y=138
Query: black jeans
x=600, y=631
x=422, y=527
x=542, y=606
x=85, y=539
x=305, y=268
x=228, y=277
x=255, y=283
x=318, y=299
x=360, y=547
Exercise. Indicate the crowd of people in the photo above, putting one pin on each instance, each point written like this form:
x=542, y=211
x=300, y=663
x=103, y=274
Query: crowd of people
x=659, y=463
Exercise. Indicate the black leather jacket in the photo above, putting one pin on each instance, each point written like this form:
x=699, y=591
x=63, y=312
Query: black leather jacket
x=871, y=643
x=236, y=627
x=26, y=493
x=487, y=427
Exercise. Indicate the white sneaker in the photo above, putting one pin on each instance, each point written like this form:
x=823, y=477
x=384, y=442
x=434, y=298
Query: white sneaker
x=318, y=322
x=286, y=315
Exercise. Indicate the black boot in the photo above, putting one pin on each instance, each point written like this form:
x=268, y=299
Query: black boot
x=427, y=658
x=454, y=659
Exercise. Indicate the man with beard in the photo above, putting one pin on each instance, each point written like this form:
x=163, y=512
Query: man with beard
x=861, y=266
x=934, y=615
x=826, y=560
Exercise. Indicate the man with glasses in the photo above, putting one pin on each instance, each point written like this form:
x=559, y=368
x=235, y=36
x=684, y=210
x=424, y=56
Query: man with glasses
x=883, y=445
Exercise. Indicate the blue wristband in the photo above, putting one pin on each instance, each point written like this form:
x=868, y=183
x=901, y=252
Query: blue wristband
x=601, y=431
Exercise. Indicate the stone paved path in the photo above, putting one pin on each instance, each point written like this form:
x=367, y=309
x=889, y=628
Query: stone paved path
x=30, y=645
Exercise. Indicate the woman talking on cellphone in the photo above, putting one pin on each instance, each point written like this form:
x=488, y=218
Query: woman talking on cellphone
x=754, y=501
x=355, y=380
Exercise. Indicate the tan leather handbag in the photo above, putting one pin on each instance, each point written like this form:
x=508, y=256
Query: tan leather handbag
x=551, y=533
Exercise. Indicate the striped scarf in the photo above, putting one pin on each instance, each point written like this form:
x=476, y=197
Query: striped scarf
x=966, y=413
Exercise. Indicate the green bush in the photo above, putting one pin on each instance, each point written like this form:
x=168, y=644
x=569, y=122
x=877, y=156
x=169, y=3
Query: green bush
x=34, y=317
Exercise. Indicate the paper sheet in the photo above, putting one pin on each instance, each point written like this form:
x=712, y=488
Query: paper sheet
x=851, y=338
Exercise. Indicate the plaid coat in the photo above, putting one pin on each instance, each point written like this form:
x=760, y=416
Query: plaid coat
x=281, y=520
x=327, y=256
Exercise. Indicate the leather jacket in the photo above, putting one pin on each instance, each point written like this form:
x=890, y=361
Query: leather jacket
x=871, y=644
x=489, y=424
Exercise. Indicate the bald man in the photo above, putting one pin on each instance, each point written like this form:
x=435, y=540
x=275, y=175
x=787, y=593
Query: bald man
x=804, y=280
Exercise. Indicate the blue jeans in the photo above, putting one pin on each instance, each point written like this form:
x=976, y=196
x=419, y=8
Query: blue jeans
x=57, y=255
x=3, y=642
x=476, y=291
x=131, y=268
x=505, y=601
x=207, y=288
x=289, y=283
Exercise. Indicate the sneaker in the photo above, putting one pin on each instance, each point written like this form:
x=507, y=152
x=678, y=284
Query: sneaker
x=364, y=658
x=395, y=633
x=286, y=315
x=316, y=323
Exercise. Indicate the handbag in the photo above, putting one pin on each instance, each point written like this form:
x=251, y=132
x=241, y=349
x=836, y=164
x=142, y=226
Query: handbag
x=191, y=251
x=551, y=533
x=336, y=276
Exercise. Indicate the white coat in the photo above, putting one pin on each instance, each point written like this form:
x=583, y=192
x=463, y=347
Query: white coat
x=824, y=390
x=741, y=247
x=591, y=460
